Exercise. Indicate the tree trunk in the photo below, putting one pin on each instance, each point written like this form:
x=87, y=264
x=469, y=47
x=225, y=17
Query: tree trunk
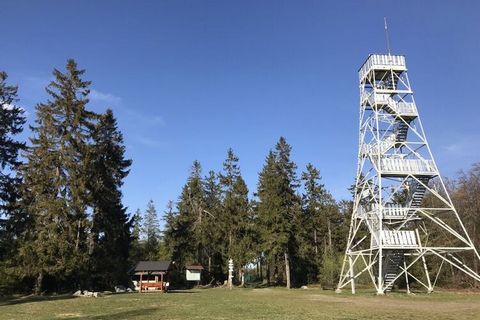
x=93, y=235
x=287, y=269
x=260, y=267
x=267, y=272
x=77, y=241
x=38, y=284
x=242, y=278
x=329, y=235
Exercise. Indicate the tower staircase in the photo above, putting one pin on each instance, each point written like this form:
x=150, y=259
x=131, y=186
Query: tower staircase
x=418, y=192
x=401, y=130
x=393, y=261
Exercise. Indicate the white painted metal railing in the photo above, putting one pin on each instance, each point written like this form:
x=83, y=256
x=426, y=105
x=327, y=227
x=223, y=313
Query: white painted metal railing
x=405, y=108
x=397, y=238
x=382, y=61
x=392, y=211
x=380, y=99
x=383, y=146
x=407, y=166
x=400, y=107
x=400, y=238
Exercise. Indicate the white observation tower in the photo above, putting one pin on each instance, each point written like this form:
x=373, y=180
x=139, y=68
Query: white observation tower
x=403, y=218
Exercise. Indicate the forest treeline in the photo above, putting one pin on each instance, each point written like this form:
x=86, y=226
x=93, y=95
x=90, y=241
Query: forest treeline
x=63, y=225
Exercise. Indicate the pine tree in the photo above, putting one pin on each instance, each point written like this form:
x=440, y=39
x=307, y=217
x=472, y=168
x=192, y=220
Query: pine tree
x=151, y=229
x=235, y=213
x=137, y=252
x=278, y=208
x=110, y=225
x=12, y=222
x=213, y=237
x=55, y=192
x=187, y=233
x=169, y=219
x=12, y=120
x=322, y=222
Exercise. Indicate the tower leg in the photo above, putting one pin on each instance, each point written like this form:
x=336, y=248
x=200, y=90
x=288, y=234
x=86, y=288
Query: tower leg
x=380, y=290
x=352, y=274
x=427, y=275
x=406, y=275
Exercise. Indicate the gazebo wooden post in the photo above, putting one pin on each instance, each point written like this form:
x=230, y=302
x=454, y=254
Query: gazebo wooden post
x=141, y=276
x=161, y=281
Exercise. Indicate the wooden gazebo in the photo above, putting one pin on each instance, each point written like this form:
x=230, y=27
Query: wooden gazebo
x=152, y=275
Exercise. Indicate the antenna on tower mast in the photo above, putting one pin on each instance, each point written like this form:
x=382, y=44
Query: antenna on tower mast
x=386, y=35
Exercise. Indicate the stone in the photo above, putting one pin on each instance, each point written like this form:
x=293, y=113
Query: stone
x=77, y=293
x=304, y=287
x=120, y=289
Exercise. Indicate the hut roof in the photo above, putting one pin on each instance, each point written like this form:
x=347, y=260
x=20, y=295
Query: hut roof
x=152, y=266
x=195, y=267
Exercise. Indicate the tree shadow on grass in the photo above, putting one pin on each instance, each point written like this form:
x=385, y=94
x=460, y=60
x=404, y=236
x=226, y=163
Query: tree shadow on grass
x=4, y=301
x=139, y=313
x=181, y=291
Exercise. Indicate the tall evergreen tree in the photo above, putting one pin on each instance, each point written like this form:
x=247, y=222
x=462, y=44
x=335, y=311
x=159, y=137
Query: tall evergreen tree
x=168, y=218
x=322, y=227
x=137, y=246
x=12, y=222
x=188, y=231
x=12, y=119
x=235, y=213
x=110, y=225
x=55, y=181
x=278, y=208
x=213, y=235
x=151, y=229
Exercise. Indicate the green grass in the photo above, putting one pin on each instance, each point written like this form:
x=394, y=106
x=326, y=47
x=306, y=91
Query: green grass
x=268, y=303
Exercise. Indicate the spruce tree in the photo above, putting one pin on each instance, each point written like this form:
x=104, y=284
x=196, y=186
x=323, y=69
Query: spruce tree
x=320, y=219
x=188, y=245
x=278, y=208
x=12, y=120
x=12, y=217
x=136, y=253
x=168, y=218
x=235, y=213
x=55, y=191
x=213, y=237
x=110, y=225
x=151, y=229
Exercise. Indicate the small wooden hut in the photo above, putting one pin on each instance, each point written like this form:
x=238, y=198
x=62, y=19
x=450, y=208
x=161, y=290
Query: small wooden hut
x=151, y=276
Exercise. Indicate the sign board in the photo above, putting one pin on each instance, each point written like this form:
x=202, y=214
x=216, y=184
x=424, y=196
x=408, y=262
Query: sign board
x=193, y=275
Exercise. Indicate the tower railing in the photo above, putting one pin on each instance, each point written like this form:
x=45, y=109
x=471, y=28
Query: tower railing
x=407, y=167
x=396, y=239
x=382, y=62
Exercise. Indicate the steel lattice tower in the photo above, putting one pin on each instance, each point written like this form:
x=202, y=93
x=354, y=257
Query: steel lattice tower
x=403, y=218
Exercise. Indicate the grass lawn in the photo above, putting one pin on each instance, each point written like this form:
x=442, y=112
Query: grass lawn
x=268, y=303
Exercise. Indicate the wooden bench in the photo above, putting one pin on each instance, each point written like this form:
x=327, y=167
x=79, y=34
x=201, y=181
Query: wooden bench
x=156, y=285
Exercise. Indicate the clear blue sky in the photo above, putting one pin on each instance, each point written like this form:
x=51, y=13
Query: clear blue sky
x=188, y=79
